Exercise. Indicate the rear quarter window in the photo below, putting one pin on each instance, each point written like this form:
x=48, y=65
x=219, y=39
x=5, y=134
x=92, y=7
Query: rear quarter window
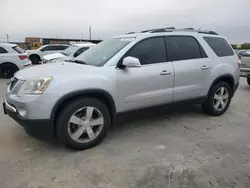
x=219, y=46
x=18, y=49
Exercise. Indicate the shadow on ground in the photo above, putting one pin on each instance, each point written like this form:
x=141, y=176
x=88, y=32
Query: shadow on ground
x=125, y=120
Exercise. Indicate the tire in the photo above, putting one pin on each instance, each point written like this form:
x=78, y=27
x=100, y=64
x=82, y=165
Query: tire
x=248, y=81
x=66, y=131
x=214, y=97
x=35, y=59
x=7, y=70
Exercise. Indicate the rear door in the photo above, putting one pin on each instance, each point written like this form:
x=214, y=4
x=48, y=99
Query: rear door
x=191, y=67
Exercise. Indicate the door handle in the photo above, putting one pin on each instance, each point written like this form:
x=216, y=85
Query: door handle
x=204, y=67
x=165, y=72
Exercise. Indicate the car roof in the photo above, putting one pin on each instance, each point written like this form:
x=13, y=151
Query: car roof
x=83, y=44
x=171, y=31
x=7, y=44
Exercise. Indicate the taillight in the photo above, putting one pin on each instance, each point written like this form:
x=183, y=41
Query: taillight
x=239, y=62
x=22, y=57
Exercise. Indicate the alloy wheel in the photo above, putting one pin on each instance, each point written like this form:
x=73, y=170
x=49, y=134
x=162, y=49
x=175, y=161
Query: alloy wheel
x=221, y=99
x=85, y=124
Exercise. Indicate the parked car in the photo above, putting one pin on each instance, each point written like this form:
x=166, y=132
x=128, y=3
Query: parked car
x=78, y=101
x=245, y=66
x=70, y=53
x=36, y=55
x=12, y=59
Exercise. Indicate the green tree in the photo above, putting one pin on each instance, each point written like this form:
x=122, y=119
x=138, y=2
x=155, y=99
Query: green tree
x=245, y=46
x=235, y=46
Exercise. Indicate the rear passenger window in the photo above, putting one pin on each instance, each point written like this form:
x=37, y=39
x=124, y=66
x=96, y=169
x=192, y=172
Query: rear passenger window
x=219, y=46
x=2, y=50
x=149, y=51
x=184, y=48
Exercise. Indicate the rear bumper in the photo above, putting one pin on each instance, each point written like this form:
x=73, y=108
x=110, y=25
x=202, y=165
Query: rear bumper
x=245, y=72
x=44, y=126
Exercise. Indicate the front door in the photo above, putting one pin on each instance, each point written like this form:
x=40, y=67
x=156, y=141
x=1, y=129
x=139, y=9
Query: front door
x=148, y=85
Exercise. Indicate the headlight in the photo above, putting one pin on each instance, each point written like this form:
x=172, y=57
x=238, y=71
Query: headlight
x=34, y=86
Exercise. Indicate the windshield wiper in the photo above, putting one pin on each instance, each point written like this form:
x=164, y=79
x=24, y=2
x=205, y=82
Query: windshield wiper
x=78, y=61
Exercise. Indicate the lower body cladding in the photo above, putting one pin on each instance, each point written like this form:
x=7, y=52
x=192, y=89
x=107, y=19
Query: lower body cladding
x=44, y=126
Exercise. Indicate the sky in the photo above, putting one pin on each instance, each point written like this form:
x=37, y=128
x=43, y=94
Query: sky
x=72, y=18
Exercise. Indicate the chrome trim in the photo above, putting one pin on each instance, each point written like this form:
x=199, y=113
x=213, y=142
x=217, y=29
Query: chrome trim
x=7, y=105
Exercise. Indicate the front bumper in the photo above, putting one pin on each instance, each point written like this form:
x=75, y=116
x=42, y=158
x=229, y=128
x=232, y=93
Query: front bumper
x=245, y=72
x=40, y=125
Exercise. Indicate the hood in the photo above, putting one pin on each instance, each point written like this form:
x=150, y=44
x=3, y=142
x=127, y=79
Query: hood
x=53, y=56
x=60, y=70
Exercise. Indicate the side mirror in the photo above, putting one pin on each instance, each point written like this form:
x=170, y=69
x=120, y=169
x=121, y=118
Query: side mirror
x=131, y=62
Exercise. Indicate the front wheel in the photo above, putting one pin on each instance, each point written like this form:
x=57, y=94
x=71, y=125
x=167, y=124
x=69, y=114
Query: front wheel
x=7, y=70
x=219, y=99
x=248, y=81
x=83, y=123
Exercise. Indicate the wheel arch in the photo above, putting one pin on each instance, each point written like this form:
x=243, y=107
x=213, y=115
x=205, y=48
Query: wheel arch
x=102, y=95
x=8, y=62
x=5, y=63
x=35, y=55
x=226, y=78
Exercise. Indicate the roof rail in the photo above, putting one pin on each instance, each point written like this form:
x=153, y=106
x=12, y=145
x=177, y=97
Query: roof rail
x=208, y=32
x=158, y=30
x=171, y=29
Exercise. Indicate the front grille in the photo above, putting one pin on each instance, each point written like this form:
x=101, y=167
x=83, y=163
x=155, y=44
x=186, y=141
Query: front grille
x=13, y=82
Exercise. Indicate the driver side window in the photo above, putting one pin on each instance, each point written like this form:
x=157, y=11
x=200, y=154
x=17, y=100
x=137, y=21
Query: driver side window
x=46, y=48
x=149, y=51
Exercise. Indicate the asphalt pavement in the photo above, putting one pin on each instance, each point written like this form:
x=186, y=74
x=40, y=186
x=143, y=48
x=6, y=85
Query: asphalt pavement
x=170, y=147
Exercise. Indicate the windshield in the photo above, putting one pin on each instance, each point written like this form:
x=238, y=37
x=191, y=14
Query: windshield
x=69, y=50
x=99, y=55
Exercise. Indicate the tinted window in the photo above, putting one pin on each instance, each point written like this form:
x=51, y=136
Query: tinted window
x=2, y=51
x=18, y=49
x=184, y=48
x=61, y=47
x=219, y=46
x=79, y=51
x=148, y=51
x=47, y=48
x=54, y=48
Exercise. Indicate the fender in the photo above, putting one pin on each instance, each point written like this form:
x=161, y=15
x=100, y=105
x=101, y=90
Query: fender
x=84, y=92
x=221, y=77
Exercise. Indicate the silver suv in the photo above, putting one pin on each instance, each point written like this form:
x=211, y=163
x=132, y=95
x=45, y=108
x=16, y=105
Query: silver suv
x=78, y=100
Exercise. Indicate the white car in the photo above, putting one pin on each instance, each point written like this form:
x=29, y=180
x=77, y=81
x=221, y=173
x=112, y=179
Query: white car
x=36, y=55
x=68, y=54
x=12, y=59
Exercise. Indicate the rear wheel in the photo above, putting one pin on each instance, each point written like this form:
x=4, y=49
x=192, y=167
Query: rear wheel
x=218, y=99
x=7, y=70
x=35, y=59
x=83, y=123
x=248, y=81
